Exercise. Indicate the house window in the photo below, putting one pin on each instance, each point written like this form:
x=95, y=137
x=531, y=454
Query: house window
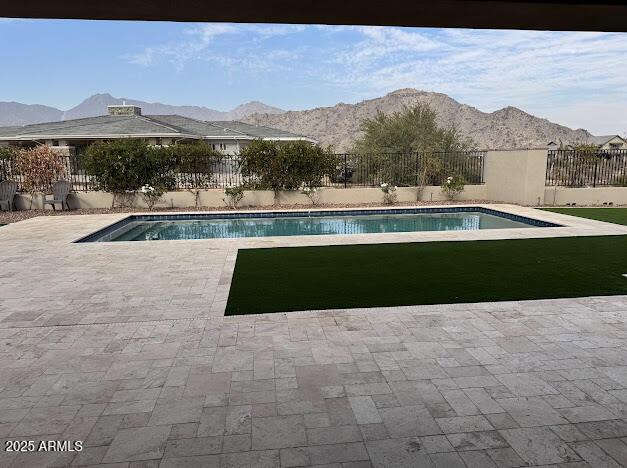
x=616, y=145
x=222, y=146
x=55, y=142
x=158, y=141
x=213, y=145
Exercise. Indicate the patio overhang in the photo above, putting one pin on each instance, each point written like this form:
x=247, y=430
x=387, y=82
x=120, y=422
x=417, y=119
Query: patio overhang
x=586, y=15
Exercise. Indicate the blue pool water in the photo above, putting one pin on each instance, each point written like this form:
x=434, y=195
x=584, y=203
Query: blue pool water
x=174, y=227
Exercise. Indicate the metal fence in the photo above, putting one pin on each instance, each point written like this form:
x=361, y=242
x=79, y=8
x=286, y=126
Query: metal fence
x=573, y=168
x=351, y=171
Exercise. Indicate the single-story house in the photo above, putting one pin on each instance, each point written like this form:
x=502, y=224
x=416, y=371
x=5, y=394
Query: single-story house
x=127, y=121
x=604, y=142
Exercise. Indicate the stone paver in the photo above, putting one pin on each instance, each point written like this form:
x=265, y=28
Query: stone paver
x=125, y=347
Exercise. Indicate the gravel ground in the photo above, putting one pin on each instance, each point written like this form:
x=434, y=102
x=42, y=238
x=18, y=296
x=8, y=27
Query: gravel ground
x=15, y=216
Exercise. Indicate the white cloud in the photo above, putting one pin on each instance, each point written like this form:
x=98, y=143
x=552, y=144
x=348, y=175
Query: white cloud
x=197, y=40
x=489, y=69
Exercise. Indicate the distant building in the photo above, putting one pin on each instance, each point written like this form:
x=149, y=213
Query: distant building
x=126, y=121
x=604, y=142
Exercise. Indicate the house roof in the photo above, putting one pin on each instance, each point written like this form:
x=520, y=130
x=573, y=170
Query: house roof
x=603, y=139
x=128, y=126
x=596, y=140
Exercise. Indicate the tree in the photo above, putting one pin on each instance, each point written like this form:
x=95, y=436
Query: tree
x=413, y=135
x=412, y=130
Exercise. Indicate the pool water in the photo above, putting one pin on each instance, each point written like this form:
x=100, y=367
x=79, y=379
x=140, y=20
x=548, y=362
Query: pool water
x=327, y=224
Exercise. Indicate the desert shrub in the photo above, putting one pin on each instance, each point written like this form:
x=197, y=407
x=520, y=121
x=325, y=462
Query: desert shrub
x=406, y=148
x=277, y=166
x=233, y=195
x=412, y=130
x=389, y=193
x=39, y=167
x=453, y=186
x=151, y=195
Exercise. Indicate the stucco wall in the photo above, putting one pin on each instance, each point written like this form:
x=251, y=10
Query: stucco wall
x=585, y=196
x=516, y=176
x=214, y=198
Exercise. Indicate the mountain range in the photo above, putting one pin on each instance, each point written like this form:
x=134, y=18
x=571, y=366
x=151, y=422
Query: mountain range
x=15, y=113
x=339, y=125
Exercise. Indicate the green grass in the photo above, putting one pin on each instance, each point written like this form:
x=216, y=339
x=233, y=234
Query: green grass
x=610, y=215
x=304, y=278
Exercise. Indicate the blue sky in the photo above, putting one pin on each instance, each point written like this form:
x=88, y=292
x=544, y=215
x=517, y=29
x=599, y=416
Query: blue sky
x=577, y=79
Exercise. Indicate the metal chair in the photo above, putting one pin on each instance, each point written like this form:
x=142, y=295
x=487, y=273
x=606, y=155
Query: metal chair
x=60, y=192
x=8, y=189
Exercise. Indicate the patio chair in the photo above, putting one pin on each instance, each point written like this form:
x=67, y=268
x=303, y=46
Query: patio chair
x=60, y=192
x=8, y=189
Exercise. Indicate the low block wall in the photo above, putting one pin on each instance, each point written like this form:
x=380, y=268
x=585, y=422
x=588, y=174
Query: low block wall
x=598, y=196
x=214, y=198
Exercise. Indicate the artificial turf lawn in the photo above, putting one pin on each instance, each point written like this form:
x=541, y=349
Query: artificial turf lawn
x=376, y=275
x=609, y=215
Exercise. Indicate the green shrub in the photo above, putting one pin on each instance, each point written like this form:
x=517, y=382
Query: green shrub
x=453, y=186
x=277, y=166
x=124, y=166
x=195, y=163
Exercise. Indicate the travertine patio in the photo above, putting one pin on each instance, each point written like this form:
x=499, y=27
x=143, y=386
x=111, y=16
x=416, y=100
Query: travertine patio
x=124, y=346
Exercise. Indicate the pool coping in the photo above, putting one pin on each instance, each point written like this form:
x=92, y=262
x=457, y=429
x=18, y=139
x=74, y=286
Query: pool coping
x=107, y=230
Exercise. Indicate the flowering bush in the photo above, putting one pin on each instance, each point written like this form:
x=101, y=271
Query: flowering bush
x=453, y=186
x=151, y=195
x=40, y=167
x=312, y=193
x=234, y=195
x=389, y=193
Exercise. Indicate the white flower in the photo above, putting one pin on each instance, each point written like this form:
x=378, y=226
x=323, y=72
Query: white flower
x=383, y=185
x=315, y=189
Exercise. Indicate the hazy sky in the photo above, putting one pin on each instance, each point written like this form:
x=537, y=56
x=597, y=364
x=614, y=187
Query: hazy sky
x=577, y=79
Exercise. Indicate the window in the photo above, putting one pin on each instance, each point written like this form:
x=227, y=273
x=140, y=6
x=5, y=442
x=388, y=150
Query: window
x=55, y=142
x=616, y=145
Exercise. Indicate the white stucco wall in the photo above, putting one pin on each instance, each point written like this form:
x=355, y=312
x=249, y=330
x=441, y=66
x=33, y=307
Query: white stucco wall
x=516, y=176
x=598, y=196
x=214, y=198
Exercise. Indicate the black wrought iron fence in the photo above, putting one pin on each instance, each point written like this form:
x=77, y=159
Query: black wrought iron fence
x=575, y=168
x=352, y=170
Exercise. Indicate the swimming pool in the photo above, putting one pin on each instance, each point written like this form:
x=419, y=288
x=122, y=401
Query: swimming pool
x=290, y=223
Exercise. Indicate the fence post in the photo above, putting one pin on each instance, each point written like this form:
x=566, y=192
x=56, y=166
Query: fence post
x=345, y=172
x=596, y=165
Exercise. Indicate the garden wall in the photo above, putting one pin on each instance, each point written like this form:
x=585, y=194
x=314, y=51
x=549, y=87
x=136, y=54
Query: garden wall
x=598, y=196
x=214, y=197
